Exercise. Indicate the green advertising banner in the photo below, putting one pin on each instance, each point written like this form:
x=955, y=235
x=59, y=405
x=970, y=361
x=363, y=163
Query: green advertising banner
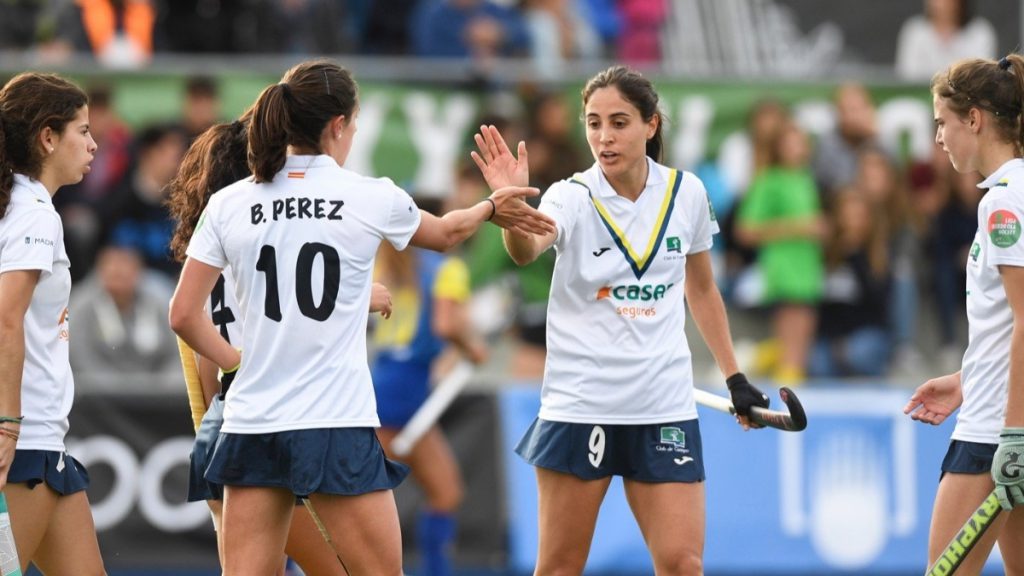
x=417, y=135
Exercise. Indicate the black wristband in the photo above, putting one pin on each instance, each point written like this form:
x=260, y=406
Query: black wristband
x=737, y=378
x=494, y=208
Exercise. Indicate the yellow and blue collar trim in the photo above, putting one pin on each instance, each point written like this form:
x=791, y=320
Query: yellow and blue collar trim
x=640, y=263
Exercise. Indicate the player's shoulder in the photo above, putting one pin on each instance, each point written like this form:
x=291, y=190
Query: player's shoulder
x=1008, y=188
x=579, y=186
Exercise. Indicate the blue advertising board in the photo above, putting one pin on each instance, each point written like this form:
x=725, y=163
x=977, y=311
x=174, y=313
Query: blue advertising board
x=852, y=494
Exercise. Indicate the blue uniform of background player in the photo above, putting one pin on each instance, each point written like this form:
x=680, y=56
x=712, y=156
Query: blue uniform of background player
x=429, y=292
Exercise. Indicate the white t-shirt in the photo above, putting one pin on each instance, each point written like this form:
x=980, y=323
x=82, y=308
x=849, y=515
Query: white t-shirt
x=986, y=365
x=616, y=348
x=32, y=238
x=921, y=52
x=301, y=249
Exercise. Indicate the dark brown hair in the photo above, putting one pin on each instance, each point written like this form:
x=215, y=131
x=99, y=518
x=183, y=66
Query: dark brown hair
x=216, y=159
x=295, y=111
x=636, y=90
x=29, y=103
x=997, y=87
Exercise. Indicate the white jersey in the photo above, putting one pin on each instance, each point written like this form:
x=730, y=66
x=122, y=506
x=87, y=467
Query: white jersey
x=32, y=238
x=986, y=365
x=616, y=348
x=301, y=249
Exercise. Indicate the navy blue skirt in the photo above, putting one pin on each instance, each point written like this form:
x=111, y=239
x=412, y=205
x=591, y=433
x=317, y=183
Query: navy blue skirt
x=339, y=461
x=668, y=452
x=57, y=469
x=968, y=458
x=199, y=488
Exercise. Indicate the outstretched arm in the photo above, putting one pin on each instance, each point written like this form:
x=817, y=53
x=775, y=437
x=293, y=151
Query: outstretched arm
x=505, y=208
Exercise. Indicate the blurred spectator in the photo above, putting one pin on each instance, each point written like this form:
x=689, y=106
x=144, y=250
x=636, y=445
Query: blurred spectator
x=749, y=156
x=945, y=33
x=134, y=213
x=206, y=26
x=477, y=29
x=553, y=150
x=604, y=17
x=559, y=35
x=853, y=336
x=781, y=217
x=201, y=106
x=78, y=204
x=491, y=269
x=119, y=33
x=120, y=318
x=387, y=27
x=835, y=163
x=952, y=241
x=885, y=189
x=640, y=38
x=305, y=27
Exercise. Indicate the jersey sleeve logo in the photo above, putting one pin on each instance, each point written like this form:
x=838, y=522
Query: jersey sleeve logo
x=1003, y=228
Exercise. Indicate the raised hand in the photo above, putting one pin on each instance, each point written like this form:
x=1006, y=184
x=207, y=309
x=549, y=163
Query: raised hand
x=935, y=400
x=1008, y=468
x=511, y=211
x=496, y=162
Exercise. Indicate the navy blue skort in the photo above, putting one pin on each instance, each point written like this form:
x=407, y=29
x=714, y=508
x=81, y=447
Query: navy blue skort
x=968, y=458
x=199, y=488
x=339, y=461
x=57, y=469
x=669, y=452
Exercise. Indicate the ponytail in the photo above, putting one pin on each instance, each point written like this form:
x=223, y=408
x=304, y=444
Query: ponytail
x=295, y=111
x=268, y=133
x=656, y=144
x=1015, y=62
x=216, y=159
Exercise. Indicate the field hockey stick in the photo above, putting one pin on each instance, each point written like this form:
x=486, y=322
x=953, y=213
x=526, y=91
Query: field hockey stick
x=196, y=400
x=793, y=421
x=969, y=535
x=323, y=531
x=9, y=563
x=426, y=416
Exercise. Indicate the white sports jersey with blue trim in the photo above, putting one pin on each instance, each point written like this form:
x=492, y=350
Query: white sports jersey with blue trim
x=986, y=365
x=301, y=249
x=32, y=238
x=616, y=348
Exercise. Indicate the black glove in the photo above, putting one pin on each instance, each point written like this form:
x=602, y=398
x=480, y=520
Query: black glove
x=745, y=395
x=226, y=378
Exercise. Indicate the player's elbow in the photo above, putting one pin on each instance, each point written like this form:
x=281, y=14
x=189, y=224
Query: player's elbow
x=179, y=316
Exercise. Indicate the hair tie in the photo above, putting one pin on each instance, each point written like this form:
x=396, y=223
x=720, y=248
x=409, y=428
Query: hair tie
x=284, y=86
x=1004, y=63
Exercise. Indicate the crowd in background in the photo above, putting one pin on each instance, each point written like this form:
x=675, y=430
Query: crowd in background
x=551, y=34
x=838, y=244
